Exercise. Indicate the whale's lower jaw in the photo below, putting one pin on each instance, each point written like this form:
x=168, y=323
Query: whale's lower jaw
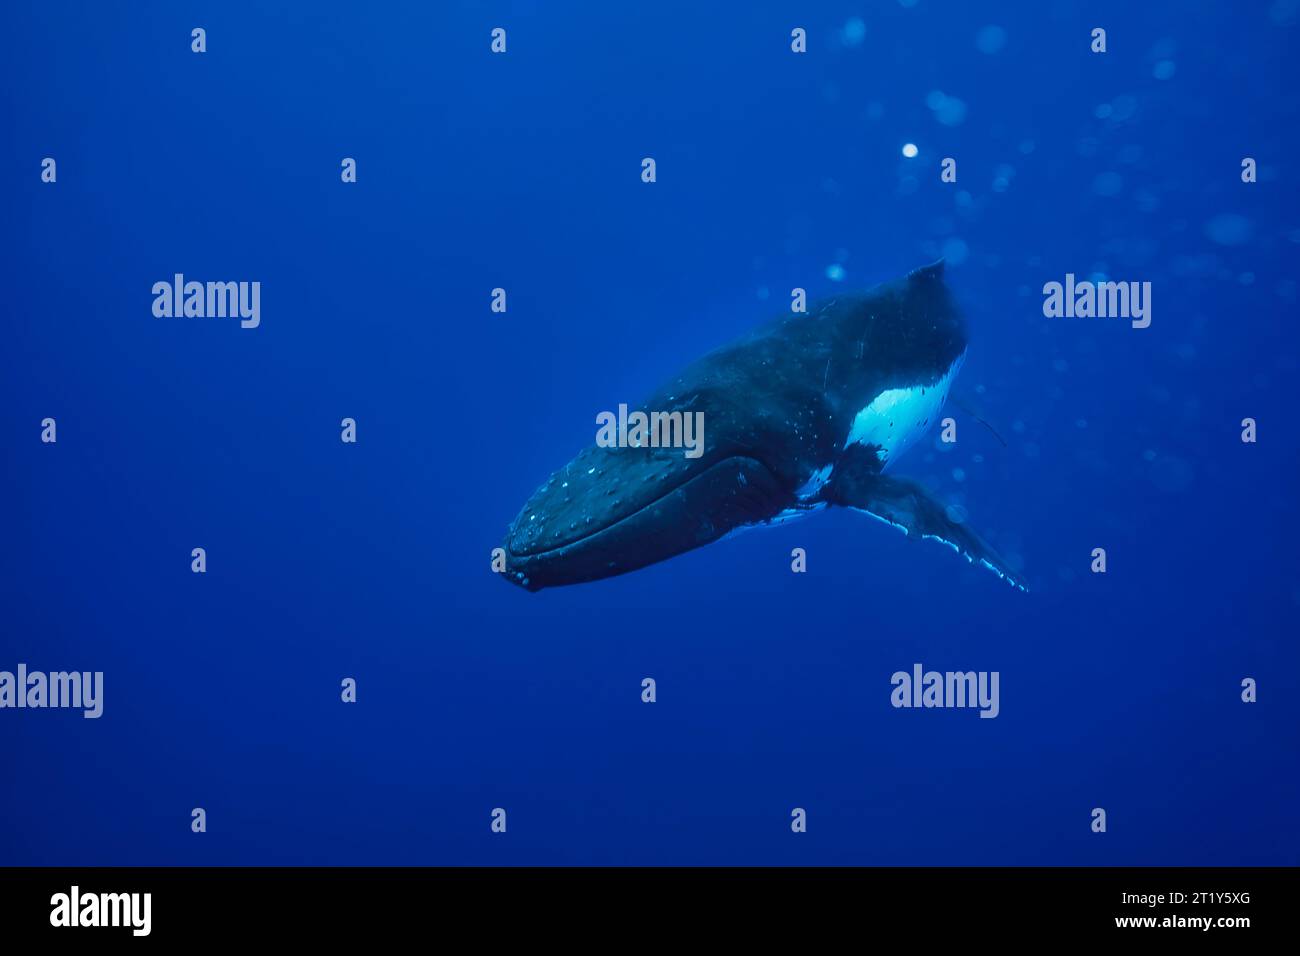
x=730, y=494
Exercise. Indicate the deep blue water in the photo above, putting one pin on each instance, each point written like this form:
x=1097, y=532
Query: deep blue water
x=371, y=561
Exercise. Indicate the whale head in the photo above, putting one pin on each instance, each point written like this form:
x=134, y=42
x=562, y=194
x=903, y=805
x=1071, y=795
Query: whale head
x=614, y=509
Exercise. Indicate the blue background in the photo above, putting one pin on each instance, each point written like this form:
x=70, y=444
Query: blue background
x=371, y=561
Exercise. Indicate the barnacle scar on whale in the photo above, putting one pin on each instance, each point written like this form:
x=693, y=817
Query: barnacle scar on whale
x=809, y=411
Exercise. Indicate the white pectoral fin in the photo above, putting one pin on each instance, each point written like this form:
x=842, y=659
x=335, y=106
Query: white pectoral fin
x=909, y=507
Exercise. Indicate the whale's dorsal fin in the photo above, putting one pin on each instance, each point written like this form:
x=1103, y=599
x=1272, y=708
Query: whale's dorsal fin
x=910, y=508
x=934, y=271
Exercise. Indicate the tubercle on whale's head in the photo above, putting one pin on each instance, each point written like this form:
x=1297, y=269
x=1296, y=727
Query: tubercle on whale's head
x=515, y=576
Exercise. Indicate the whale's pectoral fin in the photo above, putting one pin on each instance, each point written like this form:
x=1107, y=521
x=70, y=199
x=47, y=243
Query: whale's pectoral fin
x=909, y=507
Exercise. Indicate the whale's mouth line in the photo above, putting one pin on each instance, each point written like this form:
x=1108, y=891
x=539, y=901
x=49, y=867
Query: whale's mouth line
x=611, y=525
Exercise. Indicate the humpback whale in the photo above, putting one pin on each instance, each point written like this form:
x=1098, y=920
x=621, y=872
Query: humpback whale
x=807, y=412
